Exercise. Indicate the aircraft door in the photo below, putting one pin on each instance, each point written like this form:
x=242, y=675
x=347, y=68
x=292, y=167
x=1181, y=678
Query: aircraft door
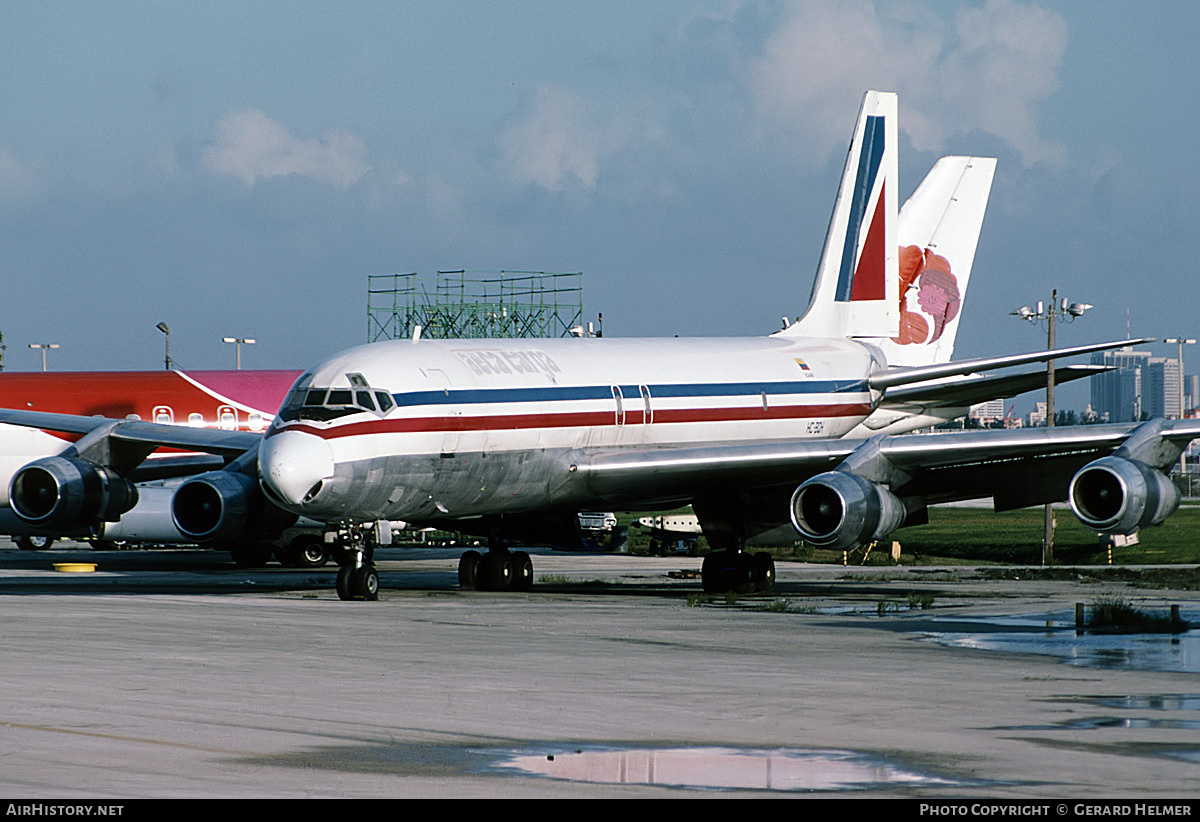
x=620, y=404
x=647, y=410
x=163, y=415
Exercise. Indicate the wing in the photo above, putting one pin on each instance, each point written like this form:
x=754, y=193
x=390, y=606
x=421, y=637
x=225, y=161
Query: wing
x=843, y=492
x=124, y=444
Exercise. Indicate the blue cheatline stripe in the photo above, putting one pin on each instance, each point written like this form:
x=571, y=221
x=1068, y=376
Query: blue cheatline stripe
x=604, y=392
x=864, y=184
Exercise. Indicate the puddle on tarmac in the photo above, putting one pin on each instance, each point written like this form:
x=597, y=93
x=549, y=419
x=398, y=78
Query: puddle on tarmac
x=722, y=768
x=1157, y=702
x=1091, y=723
x=1166, y=703
x=1054, y=634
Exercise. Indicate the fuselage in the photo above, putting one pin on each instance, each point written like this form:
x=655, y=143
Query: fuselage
x=232, y=400
x=450, y=429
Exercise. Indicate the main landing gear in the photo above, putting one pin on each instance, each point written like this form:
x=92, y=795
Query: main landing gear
x=497, y=570
x=357, y=578
x=737, y=571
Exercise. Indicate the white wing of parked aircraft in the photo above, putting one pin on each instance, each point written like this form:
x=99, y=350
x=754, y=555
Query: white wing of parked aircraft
x=510, y=438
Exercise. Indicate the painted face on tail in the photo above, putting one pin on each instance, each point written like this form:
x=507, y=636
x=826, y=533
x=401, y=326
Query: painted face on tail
x=929, y=296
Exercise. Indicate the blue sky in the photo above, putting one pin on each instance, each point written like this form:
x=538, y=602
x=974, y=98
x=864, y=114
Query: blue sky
x=239, y=168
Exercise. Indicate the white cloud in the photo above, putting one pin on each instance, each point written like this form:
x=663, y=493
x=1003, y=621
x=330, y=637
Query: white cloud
x=555, y=142
x=251, y=146
x=987, y=70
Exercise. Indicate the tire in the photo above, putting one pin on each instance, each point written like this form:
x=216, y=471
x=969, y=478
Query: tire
x=308, y=552
x=343, y=582
x=742, y=566
x=363, y=583
x=34, y=543
x=522, y=564
x=712, y=574
x=763, y=572
x=468, y=570
x=725, y=571
x=495, y=571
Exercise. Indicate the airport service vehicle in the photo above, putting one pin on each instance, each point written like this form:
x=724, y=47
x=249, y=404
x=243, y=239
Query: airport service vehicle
x=511, y=438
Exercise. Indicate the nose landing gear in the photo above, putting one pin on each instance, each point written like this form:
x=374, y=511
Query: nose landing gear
x=357, y=578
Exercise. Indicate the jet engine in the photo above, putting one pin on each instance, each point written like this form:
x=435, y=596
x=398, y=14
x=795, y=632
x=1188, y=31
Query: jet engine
x=840, y=510
x=225, y=506
x=1116, y=495
x=67, y=493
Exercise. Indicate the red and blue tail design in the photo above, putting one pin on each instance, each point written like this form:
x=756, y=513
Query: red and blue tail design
x=857, y=289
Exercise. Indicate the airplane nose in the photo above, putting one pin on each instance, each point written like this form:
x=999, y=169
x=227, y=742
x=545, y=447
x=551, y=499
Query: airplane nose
x=294, y=465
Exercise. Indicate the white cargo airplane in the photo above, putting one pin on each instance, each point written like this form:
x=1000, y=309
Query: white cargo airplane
x=510, y=438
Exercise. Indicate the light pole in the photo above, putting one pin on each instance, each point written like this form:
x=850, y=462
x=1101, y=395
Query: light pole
x=1181, y=342
x=239, y=341
x=166, y=359
x=44, y=347
x=1068, y=312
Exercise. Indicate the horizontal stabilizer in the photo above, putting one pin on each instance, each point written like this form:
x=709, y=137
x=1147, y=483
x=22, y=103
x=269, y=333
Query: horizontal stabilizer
x=974, y=390
x=894, y=377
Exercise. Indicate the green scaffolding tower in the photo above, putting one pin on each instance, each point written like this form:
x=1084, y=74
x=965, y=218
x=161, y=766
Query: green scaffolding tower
x=474, y=305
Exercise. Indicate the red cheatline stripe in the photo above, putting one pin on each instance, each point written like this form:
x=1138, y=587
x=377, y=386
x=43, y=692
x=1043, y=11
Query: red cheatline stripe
x=509, y=422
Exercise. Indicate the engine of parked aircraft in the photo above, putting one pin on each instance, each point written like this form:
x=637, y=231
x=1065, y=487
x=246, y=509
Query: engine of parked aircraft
x=67, y=493
x=1120, y=496
x=225, y=506
x=840, y=510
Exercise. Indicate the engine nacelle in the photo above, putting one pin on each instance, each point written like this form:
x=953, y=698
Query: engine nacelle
x=148, y=521
x=67, y=493
x=225, y=506
x=1115, y=495
x=840, y=510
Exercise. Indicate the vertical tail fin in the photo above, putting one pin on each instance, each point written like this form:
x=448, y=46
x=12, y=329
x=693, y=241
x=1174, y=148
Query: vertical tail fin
x=856, y=292
x=938, y=232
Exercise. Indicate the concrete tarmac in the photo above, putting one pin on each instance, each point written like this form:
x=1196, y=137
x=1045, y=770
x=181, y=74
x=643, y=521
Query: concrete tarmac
x=175, y=674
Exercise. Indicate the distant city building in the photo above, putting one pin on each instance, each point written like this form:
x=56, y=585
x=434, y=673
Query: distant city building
x=1038, y=415
x=1160, y=388
x=987, y=412
x=1141, y=385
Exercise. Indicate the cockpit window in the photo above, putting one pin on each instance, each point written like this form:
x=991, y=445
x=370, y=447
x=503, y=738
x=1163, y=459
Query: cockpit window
x=323, y=404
